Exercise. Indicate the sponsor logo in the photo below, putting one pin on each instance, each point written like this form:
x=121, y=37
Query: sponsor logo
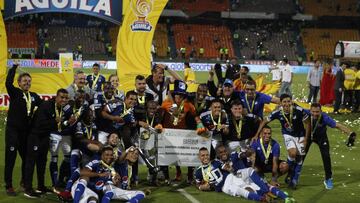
x=141, y=9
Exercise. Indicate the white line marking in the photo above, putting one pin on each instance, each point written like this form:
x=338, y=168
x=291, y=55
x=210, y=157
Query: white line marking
x=188, y=196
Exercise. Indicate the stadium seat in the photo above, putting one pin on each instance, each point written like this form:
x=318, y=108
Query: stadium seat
x=322, y=41
x=201, y=5
x=21, y=36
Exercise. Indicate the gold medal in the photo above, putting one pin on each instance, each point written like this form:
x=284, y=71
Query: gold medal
x=27, y=97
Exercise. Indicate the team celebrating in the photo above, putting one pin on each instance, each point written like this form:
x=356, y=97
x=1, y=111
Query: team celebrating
x=97, y=127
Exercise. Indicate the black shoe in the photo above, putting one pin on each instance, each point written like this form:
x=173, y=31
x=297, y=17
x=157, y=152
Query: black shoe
x=10, y=191
x=44, y=190
x=351, y=139
x=32, y=194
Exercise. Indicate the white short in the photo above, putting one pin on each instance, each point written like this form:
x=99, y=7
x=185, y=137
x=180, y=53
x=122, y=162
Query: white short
x=237, y=185
x=236, y=145
x=103, y=137
x=294, y=142
x=121, y=194
x=87, y=193
x=57, y=141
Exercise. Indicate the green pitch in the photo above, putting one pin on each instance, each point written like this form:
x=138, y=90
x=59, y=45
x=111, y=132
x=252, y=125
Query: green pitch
x=345, y=165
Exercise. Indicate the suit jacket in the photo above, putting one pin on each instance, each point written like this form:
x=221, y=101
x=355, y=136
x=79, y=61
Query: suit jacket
x=339, y=80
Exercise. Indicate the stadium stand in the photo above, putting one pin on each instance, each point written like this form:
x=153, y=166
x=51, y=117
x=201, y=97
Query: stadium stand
x=273, y=6
x=330, y=7
x=210, y=37
x=69, y=37
x=113, y=33
x=201, y=5
x=322, y=41
x=267, y=42
x=21, y=36
x=161, y=40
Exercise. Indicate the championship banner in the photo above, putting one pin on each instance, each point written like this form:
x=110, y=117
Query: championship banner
x=135, y=39
x=3, y=48
x=180, y=147
x=66, y=63
x=106, y=9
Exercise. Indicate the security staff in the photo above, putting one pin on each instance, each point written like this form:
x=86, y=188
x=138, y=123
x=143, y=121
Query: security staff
x=48, y=118
x=22, y=106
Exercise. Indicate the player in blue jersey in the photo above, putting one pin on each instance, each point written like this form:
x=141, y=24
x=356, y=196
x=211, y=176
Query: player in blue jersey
x=61, y=138
x=101, y=100
x=267, y=154
x=216, y=123
x=254, y=101
x=242, y=127
x=319, y=123
x=100, y=176
x=200, y=99
x=95, y=80
x=295, y=127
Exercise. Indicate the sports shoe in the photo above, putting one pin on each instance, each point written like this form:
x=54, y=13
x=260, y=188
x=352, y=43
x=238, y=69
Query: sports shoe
x=65, y=196
x=293, y=184
x=44, y=190
x=289, y=200
x=55, y=190
x=328, y=184
x=31, y=194
x=10, y=191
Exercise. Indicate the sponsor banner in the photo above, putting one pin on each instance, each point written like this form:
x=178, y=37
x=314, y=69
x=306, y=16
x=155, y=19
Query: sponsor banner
x=180, y=147
x=66, y=63
x=135, y=39
x=5, y=99
x=21, y=50
x=106, y=9
x=89, y=64
x=351, y=49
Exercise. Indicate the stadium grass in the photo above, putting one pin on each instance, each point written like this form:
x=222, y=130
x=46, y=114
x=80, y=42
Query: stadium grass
x=345, y=164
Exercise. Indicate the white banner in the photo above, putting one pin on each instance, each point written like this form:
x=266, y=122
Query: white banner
x=351, y=49
x=180, y=147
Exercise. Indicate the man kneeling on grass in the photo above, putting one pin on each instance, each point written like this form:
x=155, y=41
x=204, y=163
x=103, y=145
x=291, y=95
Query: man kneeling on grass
x=220, y=175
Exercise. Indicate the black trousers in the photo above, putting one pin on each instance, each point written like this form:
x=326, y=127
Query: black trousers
x=37, y=150
x=338, y=97
x=323, y=142
x=313, y=93
x=357, y=100
x=15, y=141
x=348, y=98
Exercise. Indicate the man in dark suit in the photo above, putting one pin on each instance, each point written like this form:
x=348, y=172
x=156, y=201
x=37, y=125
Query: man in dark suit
x=339, y=86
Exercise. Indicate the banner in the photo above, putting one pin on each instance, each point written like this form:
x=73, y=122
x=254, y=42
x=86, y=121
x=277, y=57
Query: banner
x=347, y=49
x=22, y=50
x=66, y=63
x=135, y=39
x=3, y=48
x=180, y=147
x=106, y=9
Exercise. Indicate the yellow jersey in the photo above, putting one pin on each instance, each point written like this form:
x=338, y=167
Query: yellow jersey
x=349, y=79
x=357, y=81
x=189, y=75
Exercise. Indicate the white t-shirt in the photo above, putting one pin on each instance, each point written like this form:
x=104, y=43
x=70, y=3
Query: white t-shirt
x=286, y=73
x=276, y=74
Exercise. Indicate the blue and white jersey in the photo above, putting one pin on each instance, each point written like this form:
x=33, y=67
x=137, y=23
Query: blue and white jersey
x=212, y=123
x=318, y=127
x=212, y=174
x=237, y=162
x=255, y=107
x=118, y=109
x=65, y=128
x=260, y=156
x=100, y=100
x=122, y=168
x=100, y=81
x=291, y=126
x=83, y=134
x=98, y=183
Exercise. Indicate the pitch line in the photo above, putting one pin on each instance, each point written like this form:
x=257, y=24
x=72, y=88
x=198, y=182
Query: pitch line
x=188, y=196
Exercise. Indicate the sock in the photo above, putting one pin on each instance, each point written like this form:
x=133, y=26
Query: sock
x=54, y=171
x=74, y=160
x=297, y=171
x=107, y=197
x=64, y=174
x=137, y=198
x=79, y=191
x=259, y=182
x=278, y=192
x=254, y=196
x=291, y=163
x=72, y=179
